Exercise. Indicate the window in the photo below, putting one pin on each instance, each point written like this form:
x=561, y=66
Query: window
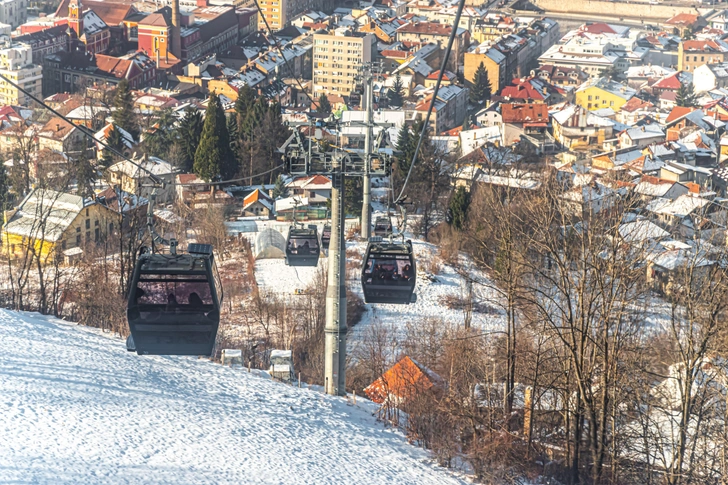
x=96, y=234
x=63, y=245
x=88, y=223
x=86, y=212
x=111, y=227
x=78, y=229
x=78, y=239
x=590, y=98
x=96, y=222
x=611, y=103
x=88, y=237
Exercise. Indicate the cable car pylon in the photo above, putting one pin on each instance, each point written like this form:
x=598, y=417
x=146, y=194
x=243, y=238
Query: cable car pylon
x=335, y=329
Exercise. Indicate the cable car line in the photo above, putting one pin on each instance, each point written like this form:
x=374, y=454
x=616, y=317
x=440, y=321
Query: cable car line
x=276, y=42
x=450, y=41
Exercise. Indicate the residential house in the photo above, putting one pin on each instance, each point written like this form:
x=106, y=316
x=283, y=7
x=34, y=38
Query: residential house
x=449, y=110
x=405, y=380
x=135, y=178
x=589, y=199
x=603, y=93
x=641, y=136
x=50, y=221
x=694, y=53
x=422, y=32
x=61, y=136
x=710, y=76
x=576, y=128
x=316, y=189
x=258, y=204
x=196, y=193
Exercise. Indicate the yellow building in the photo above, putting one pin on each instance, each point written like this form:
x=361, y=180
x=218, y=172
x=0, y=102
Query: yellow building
x=337, y=58
x=494, y=62
x=602, y=93
x=50, y=221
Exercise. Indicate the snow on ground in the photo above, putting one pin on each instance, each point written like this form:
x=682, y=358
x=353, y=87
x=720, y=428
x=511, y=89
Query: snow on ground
x=274, y=276
x=429, y=297
x=75, y=407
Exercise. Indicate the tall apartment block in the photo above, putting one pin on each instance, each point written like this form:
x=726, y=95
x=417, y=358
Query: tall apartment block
x=337, y=58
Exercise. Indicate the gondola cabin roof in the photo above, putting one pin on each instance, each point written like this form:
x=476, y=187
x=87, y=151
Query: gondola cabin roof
x=390, y=248
x=180, y=264
x=303, y=233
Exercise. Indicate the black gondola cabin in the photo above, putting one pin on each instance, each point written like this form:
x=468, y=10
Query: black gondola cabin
x=382, y=227
x=326, y=236
x=174, y=303
x=302, y=246
x=389, y=274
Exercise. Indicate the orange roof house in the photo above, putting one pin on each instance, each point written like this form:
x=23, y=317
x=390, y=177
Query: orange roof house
x=402, y=381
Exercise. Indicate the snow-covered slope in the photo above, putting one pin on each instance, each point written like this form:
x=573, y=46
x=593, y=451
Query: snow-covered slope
x=75, y=407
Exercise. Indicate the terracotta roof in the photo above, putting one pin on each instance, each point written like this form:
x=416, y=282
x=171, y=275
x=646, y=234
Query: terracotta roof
x=115, y=66
x=56, y=128
x=703, y=45
x=430, y=28
x=111, y=12
x=671, y=82
x=677, y=113
x=634, y=104
x=156, y=20
x=599, y=28
x=522, y=90
x=255, y=196
x=448, y=75
x=524, y=112
x=683, y=19
x=405, y=379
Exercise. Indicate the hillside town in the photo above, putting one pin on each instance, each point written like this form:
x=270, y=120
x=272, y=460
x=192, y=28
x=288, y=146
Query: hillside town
x=562, y=184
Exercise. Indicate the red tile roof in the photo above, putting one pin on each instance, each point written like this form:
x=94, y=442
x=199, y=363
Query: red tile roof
x=404, y=380
x=634, y=104
x=113, y=65
x=599, y=28
x=521, y=90
x=525, y=113
x=702, y=45
x=683, y=19
x=677, y=113
x=428, y=28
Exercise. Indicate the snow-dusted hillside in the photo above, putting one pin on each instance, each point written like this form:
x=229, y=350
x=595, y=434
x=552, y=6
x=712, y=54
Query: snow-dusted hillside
x=75, y=407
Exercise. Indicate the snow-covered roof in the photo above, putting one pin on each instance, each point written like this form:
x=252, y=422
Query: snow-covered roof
x=45, y=214
x=155, y=165
x=641, y=230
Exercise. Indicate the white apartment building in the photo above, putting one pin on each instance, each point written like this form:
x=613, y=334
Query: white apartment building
x=16, y=63
x=337, y=59
x=13, y=12
x=593, y=55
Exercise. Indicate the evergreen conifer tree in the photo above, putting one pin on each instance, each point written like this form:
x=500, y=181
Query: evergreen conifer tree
x=396, y=92
x=482, y=89
x=686, y=96
x=213, y=158
x=123, y=115
x=116, y=141
x=279, y=189
x=459, y=208
x=188, y=137
x=324, y=107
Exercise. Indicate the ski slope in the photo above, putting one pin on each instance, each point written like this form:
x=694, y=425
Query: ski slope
x=75, y=407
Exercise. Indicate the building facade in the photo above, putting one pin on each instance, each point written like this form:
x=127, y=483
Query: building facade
x=16, y=63
x=337, y=59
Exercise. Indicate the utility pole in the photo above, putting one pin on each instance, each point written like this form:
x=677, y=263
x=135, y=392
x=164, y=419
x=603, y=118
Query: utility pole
x=366, y=223
x=335, y=329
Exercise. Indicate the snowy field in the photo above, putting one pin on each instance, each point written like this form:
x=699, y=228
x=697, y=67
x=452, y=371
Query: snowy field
x=274, y=277
x=75, y=407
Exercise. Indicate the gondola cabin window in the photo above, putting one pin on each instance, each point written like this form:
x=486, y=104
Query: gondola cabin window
x=303, y=246
x=389, y=270
x=174, y=292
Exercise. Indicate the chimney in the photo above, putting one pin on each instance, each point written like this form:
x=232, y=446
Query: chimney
x=58, y=127
x=176, y=41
